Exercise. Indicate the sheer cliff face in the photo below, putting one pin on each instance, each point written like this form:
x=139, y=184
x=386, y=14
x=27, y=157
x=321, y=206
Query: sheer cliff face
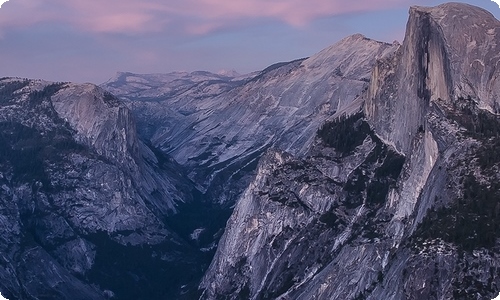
x=470, y=39
x=76, y=185
x=99, y=119
x=449, y=52
x=404, y=208
x=218, y=127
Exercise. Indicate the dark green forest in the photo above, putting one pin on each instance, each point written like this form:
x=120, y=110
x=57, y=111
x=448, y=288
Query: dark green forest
x=472, y=221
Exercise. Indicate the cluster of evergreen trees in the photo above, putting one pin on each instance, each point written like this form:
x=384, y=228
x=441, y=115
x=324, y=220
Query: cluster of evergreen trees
x=472, y=221
x=345, y=133
x=385, y=176
x=7, y=90
x=479, y=123
x=46, y=93
x=26, y=150
x=20, y=147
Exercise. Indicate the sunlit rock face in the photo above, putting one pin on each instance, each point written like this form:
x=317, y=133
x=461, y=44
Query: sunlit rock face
x=218, y=127
x=398, y=201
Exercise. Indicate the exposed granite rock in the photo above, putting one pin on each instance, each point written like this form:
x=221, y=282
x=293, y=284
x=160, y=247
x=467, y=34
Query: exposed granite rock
x=76, y=183
x=218, y=127
x=449, y=52
x=427, y=231
x=220, y=134
x=297, y=217
x=92, y=198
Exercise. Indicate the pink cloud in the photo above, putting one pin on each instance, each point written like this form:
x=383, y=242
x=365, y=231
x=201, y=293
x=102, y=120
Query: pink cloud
x=192, y=16
x=294, y=12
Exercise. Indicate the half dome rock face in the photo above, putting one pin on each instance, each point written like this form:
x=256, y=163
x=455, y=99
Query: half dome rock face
x=449, y=52
x=399, y=201
x=470, y=41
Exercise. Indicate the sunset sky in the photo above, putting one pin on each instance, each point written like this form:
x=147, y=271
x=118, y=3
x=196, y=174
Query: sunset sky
x=89, y=40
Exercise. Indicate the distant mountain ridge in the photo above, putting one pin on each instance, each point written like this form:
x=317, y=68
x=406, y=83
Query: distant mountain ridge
x=215, y=126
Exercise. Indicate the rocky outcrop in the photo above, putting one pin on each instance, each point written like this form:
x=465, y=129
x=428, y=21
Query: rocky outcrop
x=104, y=124
x=99, y=119
x=299, y=216
x=402, y=208
x=81, y=197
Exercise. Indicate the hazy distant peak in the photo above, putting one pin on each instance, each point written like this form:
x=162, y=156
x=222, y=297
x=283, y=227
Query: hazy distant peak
x=355, y=37
x=228, y=73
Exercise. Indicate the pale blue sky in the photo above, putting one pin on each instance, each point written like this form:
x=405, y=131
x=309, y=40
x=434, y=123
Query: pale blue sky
x=64, y=43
